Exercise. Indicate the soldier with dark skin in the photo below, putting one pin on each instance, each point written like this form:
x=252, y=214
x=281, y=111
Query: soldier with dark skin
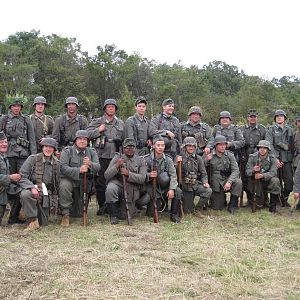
x=194, y=177
x=39, y=182
x=296, y=149
x=224, y=175
x=107, y=134
x=75, y=161
x=21, y=143
x=5, y=177
x=66, y=125
x=137, y=127
x=42, y=123
x=168, y=126
x=194, y=127
x=134, y=168
x=281, y=138
x=167, y=186
x=262, y=166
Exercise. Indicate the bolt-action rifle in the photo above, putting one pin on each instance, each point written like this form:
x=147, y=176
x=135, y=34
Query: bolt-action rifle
x=85, y=199
x=179, y=175
x=153, y=196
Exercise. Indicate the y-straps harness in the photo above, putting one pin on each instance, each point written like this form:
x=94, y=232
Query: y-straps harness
x=45, y=124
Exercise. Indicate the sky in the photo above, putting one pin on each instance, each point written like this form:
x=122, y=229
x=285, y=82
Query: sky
x=260, y=37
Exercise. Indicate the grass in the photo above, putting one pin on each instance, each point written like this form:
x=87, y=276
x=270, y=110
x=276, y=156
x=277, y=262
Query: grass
x=245, y=256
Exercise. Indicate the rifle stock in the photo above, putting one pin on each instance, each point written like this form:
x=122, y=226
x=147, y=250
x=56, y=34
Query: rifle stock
x=280, y=177
x=84, y=199
x=154, y=184
x=179, y=170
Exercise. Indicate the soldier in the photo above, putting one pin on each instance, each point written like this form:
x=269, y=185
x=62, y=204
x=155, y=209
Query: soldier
x=201, y=131
x=234, y=137
x=42, y=124
x=167, y=125
x=194, y=177
x=40, y=180
x=21, y=143
x=253, y=133
x=280, y=136
x=137, y=127
x=297, y=144
x=262, y=172
x=167, y=186
x=134, y=168
x=107, y=132
x=224, y=175
x=75, y=161
x=297, y=184
x=66, y=125
x=5, y=178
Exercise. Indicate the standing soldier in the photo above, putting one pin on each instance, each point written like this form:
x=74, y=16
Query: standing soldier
x=5, y=178
x=225, y=173
x=40, y=180
x=280, y=136
x=262, y=172
x=66, y=125
x=234, y=137
x=297, y=185
x=194, y=177
x=75, y=161
x=134, y=168
x=253, y=133
x=161, y=167
x=21, y=143
x=201, y=131
x=136, y=127
x=107, y=132
x=297, y=144
x=42, y=124
x=167, y=125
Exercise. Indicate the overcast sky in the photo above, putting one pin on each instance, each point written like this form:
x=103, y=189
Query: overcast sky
x=260, y=37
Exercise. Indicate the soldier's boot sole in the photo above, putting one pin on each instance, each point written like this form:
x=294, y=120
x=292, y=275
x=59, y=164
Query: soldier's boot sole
x=65, y=221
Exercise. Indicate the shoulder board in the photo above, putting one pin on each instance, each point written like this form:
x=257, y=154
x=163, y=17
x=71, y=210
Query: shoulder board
x=261, y=126
x=47, y=116
x=167, y=155
x=145, y=156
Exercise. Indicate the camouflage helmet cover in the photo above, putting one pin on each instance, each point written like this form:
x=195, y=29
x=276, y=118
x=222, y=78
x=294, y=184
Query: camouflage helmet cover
x=48, y=141
x=81, y=133
x=39, y=99
x=110, y=102
x=71, y=100
x=15, y=101
x=264, y=144
x=225, y=114
x=279, y=112
x=189, y=140
x=195, y=110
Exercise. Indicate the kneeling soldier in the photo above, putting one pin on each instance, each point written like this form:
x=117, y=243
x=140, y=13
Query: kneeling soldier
x=224, y=175
x=75, y=161
x=161, y=167
x=40, y=178
x=194, y=177
x=133, y=167
x=261, y=169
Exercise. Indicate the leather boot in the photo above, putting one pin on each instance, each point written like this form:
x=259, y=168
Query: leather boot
x=14, y=212
x=273, y=200
x=102, y=207
x=233, y=203
x=65, y=221
x=174, y=215
x=32, y=225
x=2, y=212
x=112, y=210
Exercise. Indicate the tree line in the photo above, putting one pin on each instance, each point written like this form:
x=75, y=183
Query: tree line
x=56, y=67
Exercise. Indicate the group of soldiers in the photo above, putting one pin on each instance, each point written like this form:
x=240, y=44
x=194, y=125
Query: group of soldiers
x=49, y=166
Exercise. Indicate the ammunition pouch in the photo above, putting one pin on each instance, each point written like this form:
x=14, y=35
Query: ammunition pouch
x=22, y=142
x=190, y=179
x=225, y=173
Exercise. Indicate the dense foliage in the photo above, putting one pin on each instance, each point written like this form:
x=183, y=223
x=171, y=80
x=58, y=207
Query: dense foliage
x=56, y=67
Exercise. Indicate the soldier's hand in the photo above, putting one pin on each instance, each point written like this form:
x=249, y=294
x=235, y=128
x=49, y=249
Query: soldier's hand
x=279, y=163
x=124, y=171
x=84, y=169
x=206, y=151
x=15, y=177
x=119, y=162
x=208, y=157
x=35, y=193
x=87, y=161
x=170, y=194
x=206, y=185
x=258, y=176
x=153, y=174
x=296, y=196
x=227, y=186
x=170, y=134
x=101, y=128
x=256, y=168
x=178, y=158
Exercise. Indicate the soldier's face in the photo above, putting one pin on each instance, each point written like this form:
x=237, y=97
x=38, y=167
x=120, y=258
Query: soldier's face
x=48, y=150
x=81, y=143
x=72, y=108
x=190, y=149
x=168, y=109
x=252, y=120
x=159, y=147
x=16, y=109
x=263, y=151
x=110, y=110
x=140, y=109
x=280, y=119
x=40, y=107
x=195, y=117
x=3, y=146
x=129, y=151
x=220, y=148
x=224, y=121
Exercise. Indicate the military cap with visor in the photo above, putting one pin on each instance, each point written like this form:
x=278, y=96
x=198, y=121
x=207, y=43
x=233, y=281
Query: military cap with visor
x=168, y=102
x=140, y=99
x=252, y=112
x=129, y=142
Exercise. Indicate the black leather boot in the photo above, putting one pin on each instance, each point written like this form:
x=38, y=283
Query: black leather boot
x=232, y=206
x=113, y=212
x=102, y=207
x=174, y=215
x=14, y=212
x=272, y=206
x=2, y=212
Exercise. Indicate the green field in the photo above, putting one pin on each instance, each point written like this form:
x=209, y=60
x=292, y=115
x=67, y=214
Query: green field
x=245, y=256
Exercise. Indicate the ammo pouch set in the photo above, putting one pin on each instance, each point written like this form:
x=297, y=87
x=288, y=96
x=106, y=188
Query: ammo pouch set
x=191, y=178
x=22, y=142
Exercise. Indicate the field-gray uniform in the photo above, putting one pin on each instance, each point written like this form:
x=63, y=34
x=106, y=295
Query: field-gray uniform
x=269, y=183
x=137, y=128
x=201, y=131
x=106, y=143
x=224, y=169
x=297, y=144
x=70, y=187
x=166, y=180
x=160, y=124
x=35, y=171
x=42, y=125
x=193, y=177
x=137, y=168
x=65, y=128
x=281, y=141
x=297, y=180
x=232, y=134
